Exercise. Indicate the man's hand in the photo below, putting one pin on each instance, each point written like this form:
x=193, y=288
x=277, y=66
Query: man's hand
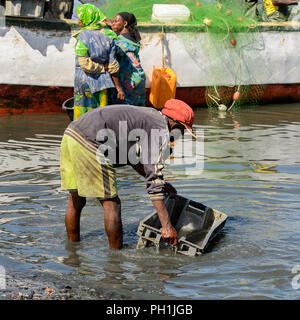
x=169, y=234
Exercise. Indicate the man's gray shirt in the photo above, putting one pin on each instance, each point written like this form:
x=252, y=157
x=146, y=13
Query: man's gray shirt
x=130, y=135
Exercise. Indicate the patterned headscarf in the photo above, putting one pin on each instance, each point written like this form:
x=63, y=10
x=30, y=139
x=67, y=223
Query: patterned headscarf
x=92, y=19
x=90, y=16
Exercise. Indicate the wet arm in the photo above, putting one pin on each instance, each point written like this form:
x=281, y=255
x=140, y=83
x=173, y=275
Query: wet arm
x=168, y=232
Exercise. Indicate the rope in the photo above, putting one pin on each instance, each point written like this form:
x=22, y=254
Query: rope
x=161, y=36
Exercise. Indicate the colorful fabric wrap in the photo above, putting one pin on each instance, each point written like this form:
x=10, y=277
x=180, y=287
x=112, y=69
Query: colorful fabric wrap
x=270, y=8
x=131, y=73
x=101, y=51
x=88, y=101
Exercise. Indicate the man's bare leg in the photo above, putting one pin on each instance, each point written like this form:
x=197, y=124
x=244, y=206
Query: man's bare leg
x=113, y=222
x=72, y=218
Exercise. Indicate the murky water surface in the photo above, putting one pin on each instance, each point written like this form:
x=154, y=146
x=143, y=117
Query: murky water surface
x=251, y=173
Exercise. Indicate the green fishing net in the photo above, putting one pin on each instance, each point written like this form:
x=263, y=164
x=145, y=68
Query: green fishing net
x=200, y=9
x=229, y=36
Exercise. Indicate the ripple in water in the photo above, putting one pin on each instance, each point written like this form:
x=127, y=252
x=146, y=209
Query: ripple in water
x=251, y=172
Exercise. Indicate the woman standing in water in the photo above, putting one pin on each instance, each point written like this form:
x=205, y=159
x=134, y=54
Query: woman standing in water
x=132, y=75
x=96, y=64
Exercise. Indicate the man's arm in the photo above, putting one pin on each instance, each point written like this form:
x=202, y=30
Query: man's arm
x=168, y=232
x=168, y=187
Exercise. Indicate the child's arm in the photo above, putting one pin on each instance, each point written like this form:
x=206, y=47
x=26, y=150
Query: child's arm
x=104, y=20
x=89, y=66
x=108, y=22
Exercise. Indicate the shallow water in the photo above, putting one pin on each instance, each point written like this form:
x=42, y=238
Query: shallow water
x=251, y=173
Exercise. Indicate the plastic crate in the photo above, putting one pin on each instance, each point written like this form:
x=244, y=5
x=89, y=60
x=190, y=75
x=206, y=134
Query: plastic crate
x=196, y=226
x=29, y=8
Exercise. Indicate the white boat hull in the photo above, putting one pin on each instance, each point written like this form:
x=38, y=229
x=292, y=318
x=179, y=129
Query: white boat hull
x=31, y=56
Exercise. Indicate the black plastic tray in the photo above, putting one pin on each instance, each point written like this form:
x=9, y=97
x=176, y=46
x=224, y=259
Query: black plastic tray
x=196, y=226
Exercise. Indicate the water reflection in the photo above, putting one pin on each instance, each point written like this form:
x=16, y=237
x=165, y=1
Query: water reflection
x=73, y=259
x=119, y=272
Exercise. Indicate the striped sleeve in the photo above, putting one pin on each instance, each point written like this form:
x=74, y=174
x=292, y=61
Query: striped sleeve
x=153, y=164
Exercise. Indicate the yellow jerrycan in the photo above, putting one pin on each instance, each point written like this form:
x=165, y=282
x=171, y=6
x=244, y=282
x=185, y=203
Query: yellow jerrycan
x=163, y=86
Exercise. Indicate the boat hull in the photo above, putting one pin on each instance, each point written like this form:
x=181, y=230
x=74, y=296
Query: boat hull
x=37, y=60
x=17, y=99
